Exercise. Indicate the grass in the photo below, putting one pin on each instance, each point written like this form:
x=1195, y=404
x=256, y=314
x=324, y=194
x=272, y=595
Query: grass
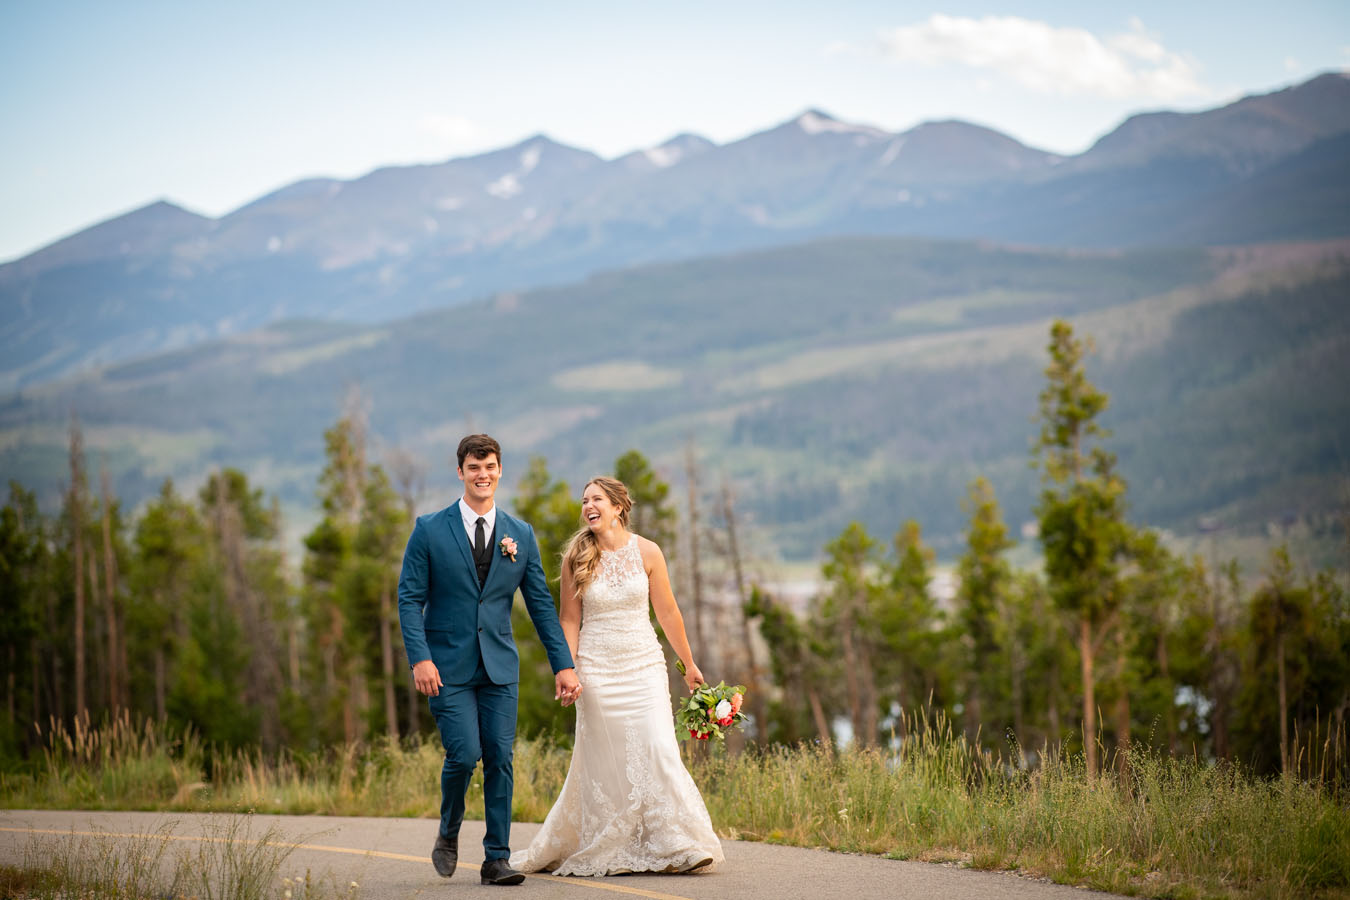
x=1151, y=826
x=231, y=862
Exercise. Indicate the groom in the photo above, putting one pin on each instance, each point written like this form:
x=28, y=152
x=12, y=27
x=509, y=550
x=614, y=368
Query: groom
x=460, y=573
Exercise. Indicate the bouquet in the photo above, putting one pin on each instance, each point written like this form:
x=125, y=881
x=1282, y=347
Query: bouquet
x=710, y=712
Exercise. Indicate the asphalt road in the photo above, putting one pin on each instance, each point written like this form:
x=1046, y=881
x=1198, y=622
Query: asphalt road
x=389, y=858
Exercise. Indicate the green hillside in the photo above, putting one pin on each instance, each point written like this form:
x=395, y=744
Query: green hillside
x=867, y=378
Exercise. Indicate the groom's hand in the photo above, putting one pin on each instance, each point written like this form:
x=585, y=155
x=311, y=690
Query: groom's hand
x=566, y=687
x=427, y=678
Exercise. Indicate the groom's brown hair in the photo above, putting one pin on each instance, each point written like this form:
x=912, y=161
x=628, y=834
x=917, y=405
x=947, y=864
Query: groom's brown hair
x=479, y=446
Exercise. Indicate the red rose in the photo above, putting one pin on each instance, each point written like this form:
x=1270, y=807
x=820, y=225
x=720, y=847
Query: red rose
x=725, y=722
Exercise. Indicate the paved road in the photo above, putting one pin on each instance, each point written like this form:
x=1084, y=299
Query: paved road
x=388, y=858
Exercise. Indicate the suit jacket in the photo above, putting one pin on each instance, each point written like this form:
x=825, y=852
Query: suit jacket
x=447, y=618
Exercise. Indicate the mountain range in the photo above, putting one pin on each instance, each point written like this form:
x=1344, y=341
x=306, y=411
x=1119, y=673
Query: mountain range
x=402, y=240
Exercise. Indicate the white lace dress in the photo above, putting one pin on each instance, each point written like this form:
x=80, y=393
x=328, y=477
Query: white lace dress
x=628, y=804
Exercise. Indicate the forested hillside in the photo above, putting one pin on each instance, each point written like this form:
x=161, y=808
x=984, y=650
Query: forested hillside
x=902, y=366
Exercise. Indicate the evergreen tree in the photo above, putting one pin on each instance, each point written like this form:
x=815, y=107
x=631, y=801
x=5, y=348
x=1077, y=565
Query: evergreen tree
x=373, y=585
x=1280, y=627
x=25, y=570
x=169, y=552
x=909, y=630
x=847, y=614
x=798, y=670
x=555, y=515
x=340, y=648
x=985, y=580
x=1081, y=512
x=653, y=514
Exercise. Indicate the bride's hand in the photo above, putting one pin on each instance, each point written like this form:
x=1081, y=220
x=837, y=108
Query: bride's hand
x=692, y=678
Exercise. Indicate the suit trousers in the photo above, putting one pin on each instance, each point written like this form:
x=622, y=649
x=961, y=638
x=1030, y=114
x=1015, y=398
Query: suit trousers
x=478, y=721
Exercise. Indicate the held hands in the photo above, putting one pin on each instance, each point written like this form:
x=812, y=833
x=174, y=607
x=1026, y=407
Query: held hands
x=427, y=678
x=566, y=687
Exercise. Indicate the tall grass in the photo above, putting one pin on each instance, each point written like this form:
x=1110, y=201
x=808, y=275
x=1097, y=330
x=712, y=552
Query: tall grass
x=1150, y=825
x=1155, y=826
x=232, y=861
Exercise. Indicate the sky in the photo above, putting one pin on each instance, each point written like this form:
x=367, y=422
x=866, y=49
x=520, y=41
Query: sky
x=106, y=107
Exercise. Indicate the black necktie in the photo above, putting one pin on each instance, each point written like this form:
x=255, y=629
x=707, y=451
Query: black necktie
x=479, y=539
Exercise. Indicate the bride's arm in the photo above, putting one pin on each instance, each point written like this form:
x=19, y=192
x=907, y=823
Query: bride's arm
x=668, y=611
x=569, y=612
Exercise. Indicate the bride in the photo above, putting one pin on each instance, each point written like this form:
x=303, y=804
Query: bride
x=628, y=804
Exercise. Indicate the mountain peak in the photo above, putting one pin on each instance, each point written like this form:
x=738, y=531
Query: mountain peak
x=128, y=234
x=815, y=121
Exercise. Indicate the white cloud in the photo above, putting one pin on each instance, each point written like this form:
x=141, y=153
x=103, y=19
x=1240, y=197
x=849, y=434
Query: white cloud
x=1050, y=59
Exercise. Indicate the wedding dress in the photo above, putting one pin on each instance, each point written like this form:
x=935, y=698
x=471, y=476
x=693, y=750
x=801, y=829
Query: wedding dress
x=628, y=804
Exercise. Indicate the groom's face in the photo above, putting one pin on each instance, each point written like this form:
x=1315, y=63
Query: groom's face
x=480, y=476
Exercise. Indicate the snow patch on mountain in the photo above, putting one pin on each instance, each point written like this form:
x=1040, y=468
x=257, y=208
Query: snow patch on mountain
x=506, y=187
x=813, y=122
x=663, y=157
x=530, y=158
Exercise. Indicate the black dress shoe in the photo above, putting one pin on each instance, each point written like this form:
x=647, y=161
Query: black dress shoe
x=445, y=855
x=499, y=871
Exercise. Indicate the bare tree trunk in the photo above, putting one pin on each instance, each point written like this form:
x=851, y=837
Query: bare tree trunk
x=293, y=653
x=1016, y=675
x=110, y=597
x=1122, y=704
x=387, y=661
x=414, y=709
x=695, y=575
x=818, y=714
x=12, y=692
x=851, y=672
x=1163, y=668
x=870, y=712
x=100, y=672
x=754, y=680
x=1052, y=712
x=37, y=692
x=1284, y=703
x=1089, y=696
x=57, y=686
x=161, y=706
x=77, y=550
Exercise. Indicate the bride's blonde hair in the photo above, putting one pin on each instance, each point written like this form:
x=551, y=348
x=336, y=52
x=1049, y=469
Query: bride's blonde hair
x=583, y=552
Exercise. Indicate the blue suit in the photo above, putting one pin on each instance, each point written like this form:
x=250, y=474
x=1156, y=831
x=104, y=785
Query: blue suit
x=466, y=631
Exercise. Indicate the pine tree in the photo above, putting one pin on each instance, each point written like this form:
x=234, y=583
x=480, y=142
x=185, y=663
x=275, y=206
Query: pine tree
x=908, y=627
x=169, y=551
x=985, y=581
x=846, y=612
x=1081, y=514
x=554, y=514
x=25, y=573
x=653, y=514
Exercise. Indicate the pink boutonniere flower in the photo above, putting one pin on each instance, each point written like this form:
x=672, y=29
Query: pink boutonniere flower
x=509, y=548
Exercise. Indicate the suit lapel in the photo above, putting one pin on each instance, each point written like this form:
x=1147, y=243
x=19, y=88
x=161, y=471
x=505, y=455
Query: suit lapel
x=456, y=522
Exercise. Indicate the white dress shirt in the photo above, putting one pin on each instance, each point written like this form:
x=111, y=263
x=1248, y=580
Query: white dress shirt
x=471, y=521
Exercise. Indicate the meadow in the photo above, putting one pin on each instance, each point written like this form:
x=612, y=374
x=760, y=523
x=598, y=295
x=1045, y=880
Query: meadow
x=1149, y=826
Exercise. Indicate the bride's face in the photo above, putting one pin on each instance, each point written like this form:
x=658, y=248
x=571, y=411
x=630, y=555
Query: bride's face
x=597, y=510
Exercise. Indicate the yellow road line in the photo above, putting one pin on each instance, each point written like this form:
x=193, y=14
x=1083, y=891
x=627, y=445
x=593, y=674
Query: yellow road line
x=352, y=851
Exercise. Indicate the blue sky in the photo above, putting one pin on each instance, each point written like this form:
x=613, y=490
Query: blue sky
x=107, y=106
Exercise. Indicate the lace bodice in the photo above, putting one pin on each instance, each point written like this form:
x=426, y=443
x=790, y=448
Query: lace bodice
x=616, y=634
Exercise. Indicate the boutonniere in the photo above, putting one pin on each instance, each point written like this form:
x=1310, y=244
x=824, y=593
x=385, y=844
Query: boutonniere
x=509, y=548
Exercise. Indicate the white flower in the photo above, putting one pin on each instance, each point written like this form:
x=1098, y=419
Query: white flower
x=723, y=709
